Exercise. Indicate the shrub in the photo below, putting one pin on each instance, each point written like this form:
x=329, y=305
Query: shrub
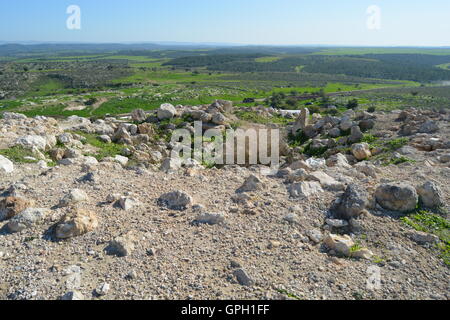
x=352, y=104
x=371, y=109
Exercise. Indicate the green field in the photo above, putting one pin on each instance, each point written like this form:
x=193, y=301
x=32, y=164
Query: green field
x=123, y=81
x=387, y=50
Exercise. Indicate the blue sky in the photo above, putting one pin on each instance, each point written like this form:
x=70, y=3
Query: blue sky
x=292, y=22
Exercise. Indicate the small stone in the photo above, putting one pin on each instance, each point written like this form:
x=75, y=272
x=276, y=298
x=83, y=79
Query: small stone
x=341, y=244
x=274, y=244
x=361, y=151
x=252, y=183
x=209, y=218
x=176, y=200
x=73, y=280
x=429, y=127
x=235, y=264
x=338, y=160
x=243, y=278
x=121, y=246
x=73, y=295
x=121, y=159
x=26, y=219
x=291, y=218
x=12, y=206
x=104, y=138
x=423, y=237
x=356, y=135
x=151, y=252
x=127, y=203
x=315, y=235
x=363, y=253
x=74, y=196
x=336, y=223
x=305, y=189
x=102, y=289
x=219, y=119
x=138, y=115
x=132, y=275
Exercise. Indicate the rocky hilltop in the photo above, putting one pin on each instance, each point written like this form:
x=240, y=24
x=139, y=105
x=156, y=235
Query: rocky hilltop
x=97, y=208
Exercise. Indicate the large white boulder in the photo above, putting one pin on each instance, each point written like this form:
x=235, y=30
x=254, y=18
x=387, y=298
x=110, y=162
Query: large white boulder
x=6, y=165
x=32, y=141
x=166, y=111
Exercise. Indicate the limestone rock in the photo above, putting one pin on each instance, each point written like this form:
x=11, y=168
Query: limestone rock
x=176, y=200
x=430, y=195
x=127, y=203
x=423, y=237
x=243, y=278
x=121, y=159
x=397, y=197
x=73, y=295
x=170, y=165
x=219, y=119
x=138, y=115
x=252, y=183
x=356, y=135
x=74, y=197
x=339, y=243
x=354, y=200
x=209, y=218
x=75, y=223
x=26, y=219
x=338, y=160
x=121, y=246
x=32, y=141
x=102, y=289
x=361, y=151
x=429, y=127
x=326, y=181
x=12, y=206
x=315, y=235
x=6, y=166
x=305, y=189
x=166, y=111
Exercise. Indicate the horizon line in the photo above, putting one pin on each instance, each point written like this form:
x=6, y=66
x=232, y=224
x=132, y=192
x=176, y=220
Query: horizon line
x=188, y=43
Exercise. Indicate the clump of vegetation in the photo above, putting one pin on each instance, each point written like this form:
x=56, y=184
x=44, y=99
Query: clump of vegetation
x=356, y=247
x=289, y=294
x=429, y=222
x=400, y=160
x=18, y=154
x=314, y=152
x=254, y=117
x=297, y=140
x=353, y=104
x=358, y=296
x=369, y=138
x=91, y=101
x=104, y=149
x=397, y=143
